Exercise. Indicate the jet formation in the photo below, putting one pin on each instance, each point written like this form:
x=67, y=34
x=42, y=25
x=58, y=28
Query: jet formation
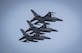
x=33, y=33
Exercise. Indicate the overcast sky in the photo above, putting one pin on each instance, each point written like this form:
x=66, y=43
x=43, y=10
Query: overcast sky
x=15, y=13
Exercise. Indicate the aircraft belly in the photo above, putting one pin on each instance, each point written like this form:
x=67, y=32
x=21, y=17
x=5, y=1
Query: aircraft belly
x=38, y=38
x=45, y=37
x=45, y=30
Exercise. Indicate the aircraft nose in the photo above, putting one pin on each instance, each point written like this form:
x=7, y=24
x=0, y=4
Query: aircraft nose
x=55, y=30
x=59, y=19
x=48, y=38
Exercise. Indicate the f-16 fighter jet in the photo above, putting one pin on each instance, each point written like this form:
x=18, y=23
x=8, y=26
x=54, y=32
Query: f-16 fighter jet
x=36, y=30
x=26, y=37
x=48, y=17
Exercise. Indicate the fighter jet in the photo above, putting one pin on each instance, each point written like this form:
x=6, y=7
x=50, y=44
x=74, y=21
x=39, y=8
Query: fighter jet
x=48, y=17
x=27, y=37
x=36, y=29
x=38, y=17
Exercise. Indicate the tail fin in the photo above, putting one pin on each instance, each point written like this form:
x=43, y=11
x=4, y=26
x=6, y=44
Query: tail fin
x=30, y=24
x=34, y=13
x=23, y=32
x=48, y=14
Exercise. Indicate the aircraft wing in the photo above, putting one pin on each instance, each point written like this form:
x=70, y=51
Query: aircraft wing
x=28, y=30
x=31, y=32
x=36, y=22
x=34, y=41
x=33, y=20
x=30, y=40
x=22, y=38
x=25, y=40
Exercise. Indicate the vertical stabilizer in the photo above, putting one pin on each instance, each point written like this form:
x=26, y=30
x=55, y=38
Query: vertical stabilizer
x=34, y=13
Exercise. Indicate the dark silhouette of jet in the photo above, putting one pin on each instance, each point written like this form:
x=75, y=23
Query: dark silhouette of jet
x=26, y=37
x=48, y=17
